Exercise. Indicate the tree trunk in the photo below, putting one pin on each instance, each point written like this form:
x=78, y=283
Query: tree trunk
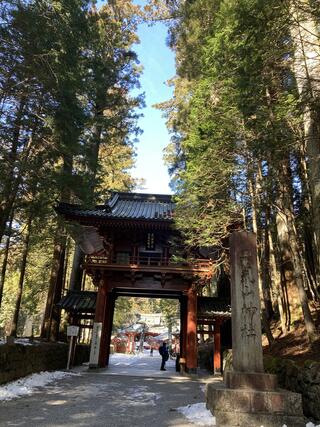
x=76, y=272
x=14, y=325
x=51, y=319
x=5, y=258
x=289, y=241
x=15, y=177
x=9, y=193
x=78, y=257
x=310, y=247
x=264, y=318
x=276, y=277
x=56, y=312
x=51, y=316
x=307, y=70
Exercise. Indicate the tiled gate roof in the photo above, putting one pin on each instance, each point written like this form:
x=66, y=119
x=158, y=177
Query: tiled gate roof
x=209, y=307
x=136, y=206
x=79, y=302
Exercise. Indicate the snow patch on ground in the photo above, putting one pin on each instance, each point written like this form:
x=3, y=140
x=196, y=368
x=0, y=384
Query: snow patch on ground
x=310, y=424
x=198, y=414
x=141, y=396
x=128, y=359
x=22, y=341
x=28, y=385
x=122, y=359
x=26, y=341
x=203, y=388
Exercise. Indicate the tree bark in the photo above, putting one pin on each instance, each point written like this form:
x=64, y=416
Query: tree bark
x=310, y=248
x=276, y=277
x=10, y=188
x=264, y=318
x=14, y=324
x=306, y=67
x=51, y=319
x=51, y=315
x=76, y=272
x=290, y=244
x=5, y=257
x=78, y=257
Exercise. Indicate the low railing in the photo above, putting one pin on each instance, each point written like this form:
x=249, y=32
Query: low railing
x=149, y=261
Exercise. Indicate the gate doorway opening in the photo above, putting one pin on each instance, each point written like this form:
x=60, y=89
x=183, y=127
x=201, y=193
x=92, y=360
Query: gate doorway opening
x=140, y=326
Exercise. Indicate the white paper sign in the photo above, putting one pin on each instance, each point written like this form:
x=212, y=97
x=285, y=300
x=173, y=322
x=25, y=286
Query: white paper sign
x=72, y=331
x=95, y=344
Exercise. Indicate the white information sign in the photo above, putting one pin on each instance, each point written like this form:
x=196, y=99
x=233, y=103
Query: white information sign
x=95, y=344
x=72, y=331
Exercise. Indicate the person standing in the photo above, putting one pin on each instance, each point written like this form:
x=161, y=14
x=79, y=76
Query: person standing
x=164, y=353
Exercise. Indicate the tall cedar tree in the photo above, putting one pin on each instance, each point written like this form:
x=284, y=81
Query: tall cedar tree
x=237, y=127
x=57, y=58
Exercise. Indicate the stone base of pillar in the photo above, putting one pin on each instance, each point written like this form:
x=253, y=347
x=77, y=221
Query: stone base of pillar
x=250, y=380
x=192, y=371
x=252, y=408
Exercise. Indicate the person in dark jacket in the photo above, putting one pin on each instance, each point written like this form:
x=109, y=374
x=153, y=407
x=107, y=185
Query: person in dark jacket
x=164, y=352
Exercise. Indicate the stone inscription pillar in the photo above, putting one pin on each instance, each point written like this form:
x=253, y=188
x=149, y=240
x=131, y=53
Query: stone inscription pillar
x=245, y=301
x=97, y=350
x=249, y=397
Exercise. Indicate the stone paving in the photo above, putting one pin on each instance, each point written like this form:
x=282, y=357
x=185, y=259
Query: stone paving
x=125, y=394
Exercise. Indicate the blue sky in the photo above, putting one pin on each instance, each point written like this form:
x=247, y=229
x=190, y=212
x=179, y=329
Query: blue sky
x=158, y=67
x=158, y=63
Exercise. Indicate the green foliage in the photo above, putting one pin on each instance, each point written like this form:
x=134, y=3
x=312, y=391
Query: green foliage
x=171, y=309
x=7, y=307
x=233, y=65
x=66, y=121
x=240, y=130
x=127, y=309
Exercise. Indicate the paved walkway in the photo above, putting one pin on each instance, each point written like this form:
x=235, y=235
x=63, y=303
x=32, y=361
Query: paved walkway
x=141, y=365
x=131, y=392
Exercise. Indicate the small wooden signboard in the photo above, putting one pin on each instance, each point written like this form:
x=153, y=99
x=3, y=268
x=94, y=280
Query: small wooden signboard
x=72, y=331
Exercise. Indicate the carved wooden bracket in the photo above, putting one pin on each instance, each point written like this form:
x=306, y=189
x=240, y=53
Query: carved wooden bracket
x=96, y=277
x=198, y=284
x=133, y=276
x=163, y=278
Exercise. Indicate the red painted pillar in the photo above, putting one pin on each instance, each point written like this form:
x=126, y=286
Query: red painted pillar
x=192, y=359
x=183, y=337
x=110, y=300
x=217, y=347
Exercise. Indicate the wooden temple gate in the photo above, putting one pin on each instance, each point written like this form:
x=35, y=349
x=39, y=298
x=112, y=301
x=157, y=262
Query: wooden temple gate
x=127, y=243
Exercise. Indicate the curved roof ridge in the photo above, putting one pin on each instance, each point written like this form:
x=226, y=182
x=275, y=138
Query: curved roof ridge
x=126, y=195
x=126, y=206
